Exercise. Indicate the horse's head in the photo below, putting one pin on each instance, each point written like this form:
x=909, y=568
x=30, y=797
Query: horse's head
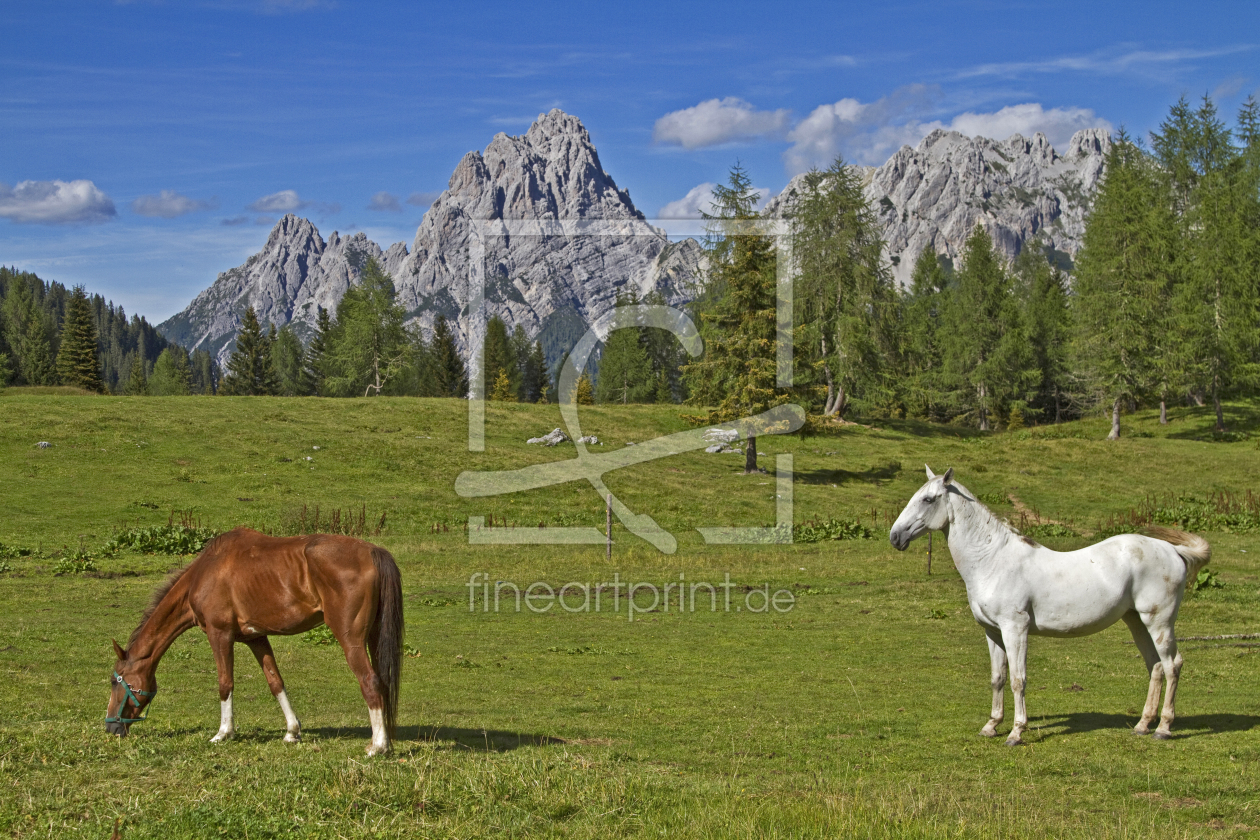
x=129, y=693
x=927, y=510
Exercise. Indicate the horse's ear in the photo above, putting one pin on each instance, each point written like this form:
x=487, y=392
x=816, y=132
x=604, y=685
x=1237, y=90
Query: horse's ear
x=949, y=476
x=931, y=475
x=118, y=651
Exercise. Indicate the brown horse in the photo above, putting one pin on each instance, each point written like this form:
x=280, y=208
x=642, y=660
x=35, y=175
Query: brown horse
x=245, y=586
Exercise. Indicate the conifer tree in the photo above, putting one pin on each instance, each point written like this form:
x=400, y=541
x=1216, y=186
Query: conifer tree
x=737, y=372
x=844, y=295
x=922, y=358
x=287, y=356
x=137, y=381
x=625, y=372
x=450, y=376
x=250, y=371
x=501, y=390
x=1043, y=293
x=77, y=362
x=987, y=360
x=369, y=347
x=498, y=356
x=584, y=392
x=171, y=375
x=534, y=374
x=1122, y=274
x=311, y=382
x=205, y=373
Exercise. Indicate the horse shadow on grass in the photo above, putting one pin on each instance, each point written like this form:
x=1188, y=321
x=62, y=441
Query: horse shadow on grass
x=1187, y=726
x=477, y=740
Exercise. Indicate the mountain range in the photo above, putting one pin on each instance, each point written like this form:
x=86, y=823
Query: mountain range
x=554, y=285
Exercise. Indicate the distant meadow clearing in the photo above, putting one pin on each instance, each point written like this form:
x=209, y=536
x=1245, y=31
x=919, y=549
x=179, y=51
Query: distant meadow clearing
x=850, y=710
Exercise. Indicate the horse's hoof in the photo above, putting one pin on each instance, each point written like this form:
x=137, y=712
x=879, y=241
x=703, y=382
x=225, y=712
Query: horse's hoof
x=988, y=733
x=1162, y=736
x=291, y=738
x=221, y=737
x=1014, y=742
x=377, y=750
x=1137, y=730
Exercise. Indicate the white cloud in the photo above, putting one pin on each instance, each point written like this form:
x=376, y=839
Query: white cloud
x=385, y=202
x=717, y=121
x=868, y=133
x=690, y=205
x=699, y=200
x=285, y=201
x=422, y=199
x=1058, y=124
x=55, y=203
x=167, y=205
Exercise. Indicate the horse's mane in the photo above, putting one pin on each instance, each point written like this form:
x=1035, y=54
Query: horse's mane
x=162, y=591
x=988, y=517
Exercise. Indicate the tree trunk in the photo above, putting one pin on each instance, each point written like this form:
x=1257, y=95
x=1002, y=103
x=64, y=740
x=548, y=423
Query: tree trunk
x=984, y=411
x=1058, y=406
x=1163, y=412
x=829, y=408
x=750, y=456
x=1115, y=420
x=1220, y=416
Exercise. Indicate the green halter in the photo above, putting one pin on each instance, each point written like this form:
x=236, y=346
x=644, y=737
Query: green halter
x=131, y=695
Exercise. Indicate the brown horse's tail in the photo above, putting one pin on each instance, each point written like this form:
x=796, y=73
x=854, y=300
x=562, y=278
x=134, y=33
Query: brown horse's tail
x=1194, y=550
x=387, y=658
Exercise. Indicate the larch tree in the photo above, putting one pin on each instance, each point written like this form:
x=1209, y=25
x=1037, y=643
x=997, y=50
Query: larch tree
x=369, y=346
x=737, y=374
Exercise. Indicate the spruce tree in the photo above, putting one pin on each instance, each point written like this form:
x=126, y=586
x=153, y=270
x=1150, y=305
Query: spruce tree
x=534, y=374
x=625, y=372
x=1043, y=293
x=499, y=356
x=171, y=375
x=448, y=367
x=287, y=356
x=922, y=358
x=311, y=381
x=1122, y=274
x=137, y=381
x=250, y=371
x=77, y=362
x=737, y=373
x=987, y=359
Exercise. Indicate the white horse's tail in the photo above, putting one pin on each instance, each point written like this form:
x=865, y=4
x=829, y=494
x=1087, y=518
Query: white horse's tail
x=1194, y=550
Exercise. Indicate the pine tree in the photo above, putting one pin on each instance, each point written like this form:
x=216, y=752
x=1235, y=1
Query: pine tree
x=77, y=362
x=205, y=373
x=1122, y=274
x=534, y=374
x=737, y=373
x=250, y=370
x=844, y=296
x=450, y=376
x=1043, y=293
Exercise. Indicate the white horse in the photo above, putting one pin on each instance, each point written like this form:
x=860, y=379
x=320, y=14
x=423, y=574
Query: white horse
x=1016, y=587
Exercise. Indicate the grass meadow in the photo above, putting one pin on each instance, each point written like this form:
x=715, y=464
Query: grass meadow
x=855, y=713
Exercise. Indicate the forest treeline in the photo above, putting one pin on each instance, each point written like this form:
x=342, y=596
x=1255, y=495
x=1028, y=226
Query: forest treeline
x=1162, y=307
x=33, y=349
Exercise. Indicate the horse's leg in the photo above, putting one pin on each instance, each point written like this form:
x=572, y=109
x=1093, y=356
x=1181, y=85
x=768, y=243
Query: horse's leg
x=997, y=663
x=351, y=632
x=1161, y=630
x=1147, y=647
x=1015, y=639
x=221, y=644
x=267, y=661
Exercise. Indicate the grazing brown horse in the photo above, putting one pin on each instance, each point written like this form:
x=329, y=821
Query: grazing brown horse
x=245, y=586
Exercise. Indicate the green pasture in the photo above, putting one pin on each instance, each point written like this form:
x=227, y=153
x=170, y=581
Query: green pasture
x=854, y=713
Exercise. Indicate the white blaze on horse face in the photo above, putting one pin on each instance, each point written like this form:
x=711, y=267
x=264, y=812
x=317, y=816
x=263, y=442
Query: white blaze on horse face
x=226, y=730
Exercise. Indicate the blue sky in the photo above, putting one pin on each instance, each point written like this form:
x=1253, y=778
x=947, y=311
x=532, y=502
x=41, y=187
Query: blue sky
x=148, y=145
